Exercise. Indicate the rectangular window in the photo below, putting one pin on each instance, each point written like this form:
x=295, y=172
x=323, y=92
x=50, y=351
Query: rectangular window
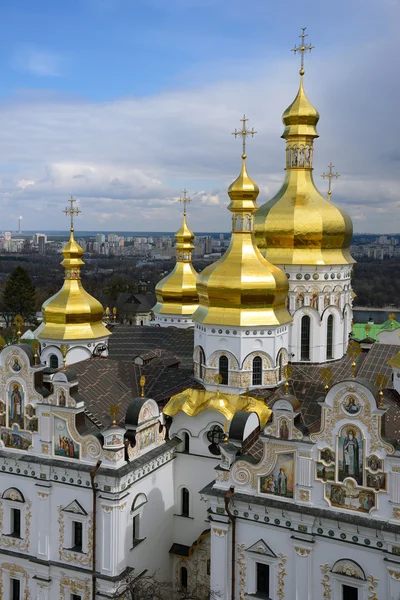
x=15, y=587
x=76, y=597
x=77, y=529
x=305, y=338
x=262, y=573
x=16, y=522
x=349, y=593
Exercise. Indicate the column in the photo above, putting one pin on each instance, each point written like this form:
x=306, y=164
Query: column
x=42, y=518
x=220, y=565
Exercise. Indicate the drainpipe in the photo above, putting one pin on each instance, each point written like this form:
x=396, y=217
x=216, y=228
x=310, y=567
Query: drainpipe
x=228, y=497
x=93, y=474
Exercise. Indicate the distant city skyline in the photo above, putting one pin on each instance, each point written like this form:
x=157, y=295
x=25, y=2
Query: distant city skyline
x=124, y=104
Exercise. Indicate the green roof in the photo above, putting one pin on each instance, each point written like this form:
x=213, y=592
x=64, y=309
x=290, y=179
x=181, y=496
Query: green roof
x=360, y=332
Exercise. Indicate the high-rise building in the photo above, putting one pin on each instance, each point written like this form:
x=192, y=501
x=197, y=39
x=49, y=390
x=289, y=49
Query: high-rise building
x=100, y=238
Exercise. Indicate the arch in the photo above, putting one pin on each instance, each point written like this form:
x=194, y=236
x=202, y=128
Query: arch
x=223, y=369
x=348, y=567
x=53, y=361
x=329, y=337
x=257, y=374
x=139, y=500
x=281, y=359
x=185, y=500
x=268, y=361
x=305, y=337
x=13, y=494
x=214, y=358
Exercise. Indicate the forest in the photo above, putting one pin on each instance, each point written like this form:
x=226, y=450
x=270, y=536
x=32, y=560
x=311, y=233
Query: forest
x=376, y=283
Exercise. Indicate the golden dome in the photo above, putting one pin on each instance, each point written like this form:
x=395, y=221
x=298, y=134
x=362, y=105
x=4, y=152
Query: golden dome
x=299, y=226
x=242, y=287
x=72, y=313
x=176, y=293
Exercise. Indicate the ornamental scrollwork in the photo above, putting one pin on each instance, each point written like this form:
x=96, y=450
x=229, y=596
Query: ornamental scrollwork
x=13, y=570
x=325, y=582
x=243, y=473
x=302, y=551
x=281, y=576
x=242, y=570
x=220, y=532
x=69, y=556
x=14, y=543
x=76, y=586
x=394, y=574
x=373, y=583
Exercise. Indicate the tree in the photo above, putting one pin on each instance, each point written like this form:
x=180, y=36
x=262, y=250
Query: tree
x=147, y=587
x=18, y=297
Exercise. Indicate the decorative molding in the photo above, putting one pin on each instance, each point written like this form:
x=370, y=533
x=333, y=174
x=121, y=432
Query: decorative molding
x=394, y=574
x=373, y=583
x=81, y=587
x=349, y=569
x=305, y=454
x=43, y=496
x=14, y=570
x=14, y=543
x=243, y=474
x=325, y=582
x=281, y=576
x=304, y=495
x=396, y=469
x=220, y=532
x=302, y=551
x=396, y=513
x=69, y=556
x=242, y=571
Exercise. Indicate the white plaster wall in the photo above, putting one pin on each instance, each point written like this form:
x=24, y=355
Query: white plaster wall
x=180, y=321
x=77, y=350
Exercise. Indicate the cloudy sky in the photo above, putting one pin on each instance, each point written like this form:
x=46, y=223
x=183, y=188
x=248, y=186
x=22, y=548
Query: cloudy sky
x=123, y=103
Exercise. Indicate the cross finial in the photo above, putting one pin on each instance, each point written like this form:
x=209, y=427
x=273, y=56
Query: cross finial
x=329, y=176
x=244, y=132
x=185, y=200
x=302, y=48
x=72, y=211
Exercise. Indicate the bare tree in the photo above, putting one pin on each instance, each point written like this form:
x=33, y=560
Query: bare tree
x=148, y=587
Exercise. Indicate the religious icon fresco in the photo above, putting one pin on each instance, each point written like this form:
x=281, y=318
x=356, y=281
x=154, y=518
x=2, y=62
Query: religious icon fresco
x=16, y=365
x=64, y=445
x=284, y=430
x=16, y=405
x=349, y=497
x=61, y=398
x=280, y=482
x=325, y=473
x=327, y=455
x=350, y=454
x=351, y=406
x=376, y=481
x=146, y=437
x=16, y=439
x=374, y=463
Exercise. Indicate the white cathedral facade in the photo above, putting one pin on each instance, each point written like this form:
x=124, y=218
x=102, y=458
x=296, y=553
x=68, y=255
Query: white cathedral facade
x=248, y=481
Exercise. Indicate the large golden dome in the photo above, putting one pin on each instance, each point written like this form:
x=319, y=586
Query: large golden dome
x=300, y=226
x=176, y=293
x=242, y=288
x=72, y=313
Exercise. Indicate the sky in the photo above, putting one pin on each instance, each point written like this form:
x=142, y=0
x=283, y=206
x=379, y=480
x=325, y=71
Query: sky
x=123, y=103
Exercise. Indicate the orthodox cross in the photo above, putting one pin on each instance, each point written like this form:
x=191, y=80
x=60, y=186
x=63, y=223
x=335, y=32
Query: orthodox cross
x=329, y=176
x=303, y=48
x=185, y=200
x=72, y=211
x=142, y=385
x=244, y=132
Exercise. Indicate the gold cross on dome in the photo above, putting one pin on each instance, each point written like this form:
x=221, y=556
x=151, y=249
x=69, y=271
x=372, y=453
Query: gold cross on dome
x=72, y=211
x=244, y=132
x=185, y=200
x=329, y=176
x=303, y=48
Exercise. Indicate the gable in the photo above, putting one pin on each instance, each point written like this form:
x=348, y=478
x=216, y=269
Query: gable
x=75, y=508
x=261, y=547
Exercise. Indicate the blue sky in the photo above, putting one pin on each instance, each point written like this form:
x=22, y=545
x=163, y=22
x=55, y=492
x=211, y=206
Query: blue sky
x=125, y=102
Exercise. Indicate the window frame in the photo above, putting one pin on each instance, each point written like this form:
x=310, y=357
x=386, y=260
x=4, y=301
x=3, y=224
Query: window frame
x=251, y=584
x=259, y=372
x=74, y=546
x=135, y=516
x=221, y=371
x=12, y=596
x=330, y=322
x=185, y=501
x=339, y=580
x=305, y=318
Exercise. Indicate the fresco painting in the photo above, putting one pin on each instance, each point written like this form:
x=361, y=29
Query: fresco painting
x=16, y=439
x=350, y=497
x=351, y=454
x=280, y=482
x=64, y=445
x=325, y=473
x=16, y=405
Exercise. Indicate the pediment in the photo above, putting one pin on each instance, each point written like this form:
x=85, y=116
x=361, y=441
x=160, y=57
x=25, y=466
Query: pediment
x=75, y=508
x=261, y=547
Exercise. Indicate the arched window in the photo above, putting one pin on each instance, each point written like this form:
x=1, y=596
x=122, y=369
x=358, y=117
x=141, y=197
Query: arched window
x=185, y=437
x=185, y=502
x=202, y=360
x=305, y=338
x=184, y=578
x=257, y=370
x=223, y=369
x=136, y=510
x=280, y=364
x=329, y=337
x=53, y=361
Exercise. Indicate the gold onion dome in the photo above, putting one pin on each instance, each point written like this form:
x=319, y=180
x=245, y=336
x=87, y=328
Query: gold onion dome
x=72, y=313
x=176, y=293
x=299, y=226
x=242, y=288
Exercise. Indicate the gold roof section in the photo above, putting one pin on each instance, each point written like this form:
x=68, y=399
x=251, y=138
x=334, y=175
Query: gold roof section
x=299, y=226
x=242, y=288
x=395, y=361
x=176, y=293
x=72, y=313
x=194, y=401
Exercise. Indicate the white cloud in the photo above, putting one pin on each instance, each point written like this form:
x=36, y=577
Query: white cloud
x=37, y=61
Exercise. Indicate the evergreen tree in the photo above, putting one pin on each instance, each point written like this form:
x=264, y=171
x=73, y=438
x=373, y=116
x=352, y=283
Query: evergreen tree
x=18, y=297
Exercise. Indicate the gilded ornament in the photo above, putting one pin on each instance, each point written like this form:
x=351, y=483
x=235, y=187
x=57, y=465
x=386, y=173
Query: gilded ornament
x=281, y=576
x=242, y=571
x=302, y=551
x=394, y=574
x=373, y=584
x=325, y=582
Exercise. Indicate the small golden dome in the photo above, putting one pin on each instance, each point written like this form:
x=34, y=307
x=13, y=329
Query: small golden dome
x=72, y=313
x=299, y=226
x=176, y=293
x=242, y=288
